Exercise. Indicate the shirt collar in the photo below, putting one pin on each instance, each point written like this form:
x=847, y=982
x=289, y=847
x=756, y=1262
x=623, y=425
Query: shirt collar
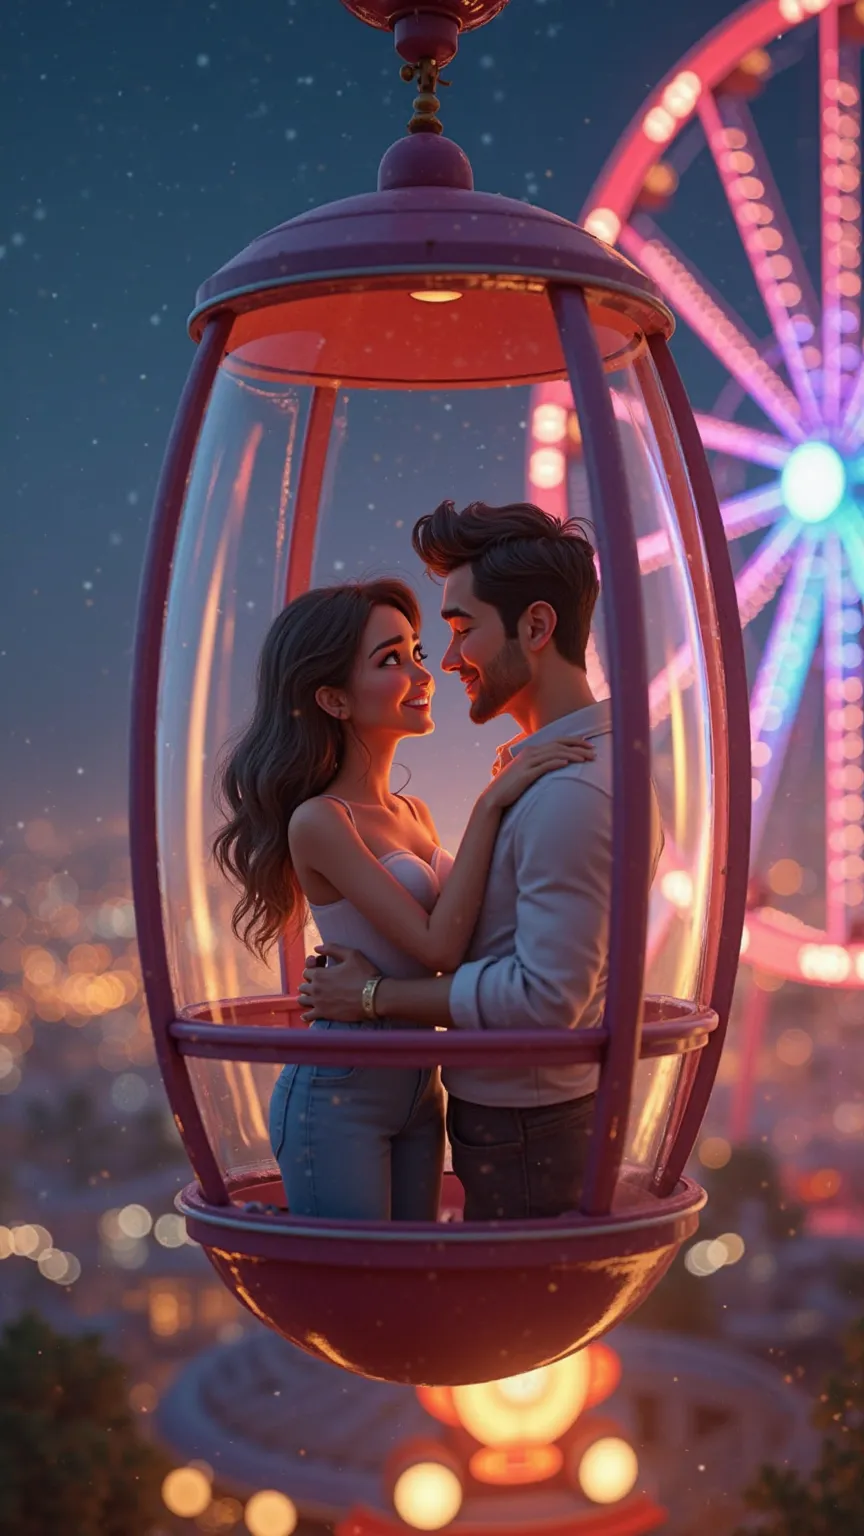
x=594, y=720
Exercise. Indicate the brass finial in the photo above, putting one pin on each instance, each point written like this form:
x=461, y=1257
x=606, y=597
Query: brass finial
x=426, y=103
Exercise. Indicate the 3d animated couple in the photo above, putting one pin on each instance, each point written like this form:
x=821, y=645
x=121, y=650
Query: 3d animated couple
x=511, y=933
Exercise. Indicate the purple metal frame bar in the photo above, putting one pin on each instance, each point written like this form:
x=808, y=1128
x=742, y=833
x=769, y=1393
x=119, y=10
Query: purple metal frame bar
x=658, y=415
x=631, y=780
x=423, y=1048
x=738, y=719
x=657, y=409
x=143, y=835
x=301, y=553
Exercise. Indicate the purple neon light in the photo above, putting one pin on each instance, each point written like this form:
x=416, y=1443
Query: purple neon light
x=691, y=296
x=749, y=193
x=741, y=442
x=755, y=585
x=780, y=681
x=840, y=143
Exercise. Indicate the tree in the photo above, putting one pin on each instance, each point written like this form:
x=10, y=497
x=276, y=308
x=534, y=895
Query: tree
x=829, y=1501
x=71, y=1457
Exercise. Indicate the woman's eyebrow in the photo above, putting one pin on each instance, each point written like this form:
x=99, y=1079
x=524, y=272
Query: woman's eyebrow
x=394, y=640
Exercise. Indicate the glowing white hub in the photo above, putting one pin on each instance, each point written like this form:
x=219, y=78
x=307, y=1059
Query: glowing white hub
x=813, y=482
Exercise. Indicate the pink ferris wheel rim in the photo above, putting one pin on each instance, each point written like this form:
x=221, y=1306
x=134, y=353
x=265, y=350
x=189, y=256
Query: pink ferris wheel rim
x=820, y=399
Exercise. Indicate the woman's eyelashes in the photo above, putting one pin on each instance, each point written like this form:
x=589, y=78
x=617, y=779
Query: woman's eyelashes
x=395, y=655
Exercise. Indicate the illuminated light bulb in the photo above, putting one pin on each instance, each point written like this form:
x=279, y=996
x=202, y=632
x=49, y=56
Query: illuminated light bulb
x=186, y=1492
x=677, y=887
x=270, y=1513
x=813, y=482
x=427, y=1496
x=745, y=940
x=435, y=296
x=547, y=468
x=658, y=125
x=824, y=962
x=608, y=1470
x=549, y=423
x=604, y=224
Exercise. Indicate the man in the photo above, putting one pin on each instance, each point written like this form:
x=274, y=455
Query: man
x=519, y=595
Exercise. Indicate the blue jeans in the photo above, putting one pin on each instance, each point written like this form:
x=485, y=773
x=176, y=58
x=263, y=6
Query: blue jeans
x=515, y=1164
x=359, y=1143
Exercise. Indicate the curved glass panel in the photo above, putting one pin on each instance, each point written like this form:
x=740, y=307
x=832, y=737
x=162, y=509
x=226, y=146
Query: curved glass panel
x=391, y=455
x=681, y=750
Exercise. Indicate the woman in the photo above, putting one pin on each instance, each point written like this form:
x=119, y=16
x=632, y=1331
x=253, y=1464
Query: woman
x=312, y=819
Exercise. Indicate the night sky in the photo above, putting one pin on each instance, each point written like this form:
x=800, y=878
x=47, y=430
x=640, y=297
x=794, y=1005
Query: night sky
x=141, y=147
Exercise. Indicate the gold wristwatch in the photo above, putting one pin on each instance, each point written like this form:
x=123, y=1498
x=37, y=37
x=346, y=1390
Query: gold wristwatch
x=367, y=997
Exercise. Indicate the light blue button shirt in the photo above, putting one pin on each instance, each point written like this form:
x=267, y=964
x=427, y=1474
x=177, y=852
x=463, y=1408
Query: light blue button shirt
x=539, y=955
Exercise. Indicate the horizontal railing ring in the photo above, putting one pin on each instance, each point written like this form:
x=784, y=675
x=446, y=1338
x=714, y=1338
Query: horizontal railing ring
x=381, y=1047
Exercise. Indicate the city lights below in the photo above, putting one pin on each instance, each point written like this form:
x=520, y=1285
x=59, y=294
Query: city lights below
x=608, y=1470
x=30, y=1241
x=270, y=1513
x=427, y=1495
x=813, y=482
x=706, y=1257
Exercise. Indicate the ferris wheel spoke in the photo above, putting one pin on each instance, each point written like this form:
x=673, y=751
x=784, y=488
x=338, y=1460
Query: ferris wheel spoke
x=710, y=317
x=766, y=235
x=780, y=681
x=844, y=745
x=840, y=136
x=741, y=514
x=741, y=442
x=751, y=509
x=755, y=585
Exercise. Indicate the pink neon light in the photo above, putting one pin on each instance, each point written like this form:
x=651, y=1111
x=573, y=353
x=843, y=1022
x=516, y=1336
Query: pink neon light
x=783, y=946
x=755, y=585
x=746, y=194
x=852, y=419
x=770, y=716
x=840, y=135
x=714, y=323
x=712, y=59
x=835, y=886
x=742, y=442
x=751, y=509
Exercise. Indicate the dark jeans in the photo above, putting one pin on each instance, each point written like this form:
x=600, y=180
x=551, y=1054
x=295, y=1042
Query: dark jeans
x=518, y=1163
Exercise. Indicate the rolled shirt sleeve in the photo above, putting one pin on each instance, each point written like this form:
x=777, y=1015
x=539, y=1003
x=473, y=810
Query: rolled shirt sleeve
x=562, y=847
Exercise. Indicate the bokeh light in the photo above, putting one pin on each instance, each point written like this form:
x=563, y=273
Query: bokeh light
x=186, y=1492
x=714, y=1152
x=427, y=1496
x=608, y=1470
x=270, y=1513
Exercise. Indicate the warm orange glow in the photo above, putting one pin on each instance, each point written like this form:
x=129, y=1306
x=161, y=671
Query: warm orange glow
x=435, y=296
x=186, y=1492
x=822, y=1185
x=427, y=1495
x=531, y=1409
x=714, y=1152
x=608, y=1470
x=270, y=1513
x=605, y=1373
x=785, y=877
x=438, y=1401
x=514, y=1466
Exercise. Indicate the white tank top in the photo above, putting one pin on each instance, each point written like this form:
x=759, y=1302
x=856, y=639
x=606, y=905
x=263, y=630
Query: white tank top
x=339, y=922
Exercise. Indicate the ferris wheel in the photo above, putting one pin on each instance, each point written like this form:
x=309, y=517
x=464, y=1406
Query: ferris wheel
x=798, y=453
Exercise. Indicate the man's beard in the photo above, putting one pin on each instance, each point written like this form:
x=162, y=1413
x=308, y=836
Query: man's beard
x=506, y=674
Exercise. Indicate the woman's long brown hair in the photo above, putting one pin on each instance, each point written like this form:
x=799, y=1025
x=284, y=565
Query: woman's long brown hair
x=291, y=749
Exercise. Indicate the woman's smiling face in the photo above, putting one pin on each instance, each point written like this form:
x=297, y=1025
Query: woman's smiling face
x=391, y=690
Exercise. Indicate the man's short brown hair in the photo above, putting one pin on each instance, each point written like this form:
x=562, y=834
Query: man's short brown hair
x=518, y=555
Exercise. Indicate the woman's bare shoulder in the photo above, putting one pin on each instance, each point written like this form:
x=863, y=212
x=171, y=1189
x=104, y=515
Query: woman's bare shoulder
x=319, y=814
